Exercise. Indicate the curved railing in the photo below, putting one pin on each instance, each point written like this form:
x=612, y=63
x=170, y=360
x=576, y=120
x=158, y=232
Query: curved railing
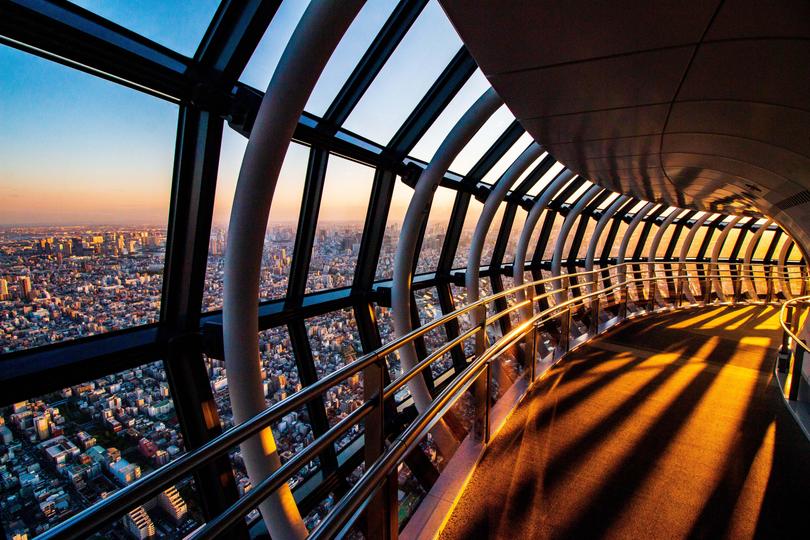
x=588, y=303
x=794, y=347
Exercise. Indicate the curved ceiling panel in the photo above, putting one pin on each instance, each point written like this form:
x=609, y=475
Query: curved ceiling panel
x=692, y=103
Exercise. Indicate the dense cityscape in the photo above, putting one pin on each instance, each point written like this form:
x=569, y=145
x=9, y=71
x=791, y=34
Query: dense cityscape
x=64, y=451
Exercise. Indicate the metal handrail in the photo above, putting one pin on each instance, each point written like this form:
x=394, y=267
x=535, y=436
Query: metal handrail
x=784, y=315
x=120, y=502
x=345, y=510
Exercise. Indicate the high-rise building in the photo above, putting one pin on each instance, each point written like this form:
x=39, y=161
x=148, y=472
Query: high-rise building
x=24, y=283
x=4, y=289
x=173, y=504
x=139, y=524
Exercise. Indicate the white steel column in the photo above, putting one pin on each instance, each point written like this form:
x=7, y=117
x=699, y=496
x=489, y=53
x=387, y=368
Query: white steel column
x=518, y=267
x=748, y=270
x=416, y=214
x=305, y=56
x=556, y=257
x=609, y=212
x=485, y=220
x=659, y=235
x=687, y=287
x=714, y=268
x=784, y=276
x=627, y=235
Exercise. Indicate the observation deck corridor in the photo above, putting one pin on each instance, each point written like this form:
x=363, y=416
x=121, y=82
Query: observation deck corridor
x=671, y=426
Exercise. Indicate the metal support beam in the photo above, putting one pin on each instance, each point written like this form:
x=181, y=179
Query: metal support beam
x=540, y=204
x=714, y=268
x=684, y=283
x=415, y=217
x=310, y=47
x=562, y=235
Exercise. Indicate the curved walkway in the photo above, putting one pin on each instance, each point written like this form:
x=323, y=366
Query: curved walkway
x=669, y=427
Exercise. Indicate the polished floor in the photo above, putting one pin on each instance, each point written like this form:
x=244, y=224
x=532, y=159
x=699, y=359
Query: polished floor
x=670, y=427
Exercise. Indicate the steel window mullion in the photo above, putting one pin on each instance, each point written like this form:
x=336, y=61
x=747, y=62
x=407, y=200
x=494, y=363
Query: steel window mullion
x=374, y=230
x=745, y=229
x=232, y=36
x=452, y=79
x=307, y=222
x=190, y=213
x=302, y=351
x=494, y=153
x=451, y=238
x=558, y=202
x=504, y=233
x=384, y=44
x=452, y=328
x=531, y=179
x=80, y=39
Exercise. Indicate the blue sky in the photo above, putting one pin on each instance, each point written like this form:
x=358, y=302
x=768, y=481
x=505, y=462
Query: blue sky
x=78, y=149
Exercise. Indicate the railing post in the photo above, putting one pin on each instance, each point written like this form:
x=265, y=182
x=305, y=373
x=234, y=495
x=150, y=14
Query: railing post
x=769, y=277
x=783, y=356
x=481, y=388
x=488, y=379
x=531, y=357
x=594, y=329
x=566, y=335
x=707, y=295
x=736, y=284
x=381, y=516
x=795, y=375
x=623, y=301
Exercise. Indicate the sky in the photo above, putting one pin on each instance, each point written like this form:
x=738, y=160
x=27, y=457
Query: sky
x=76, y=149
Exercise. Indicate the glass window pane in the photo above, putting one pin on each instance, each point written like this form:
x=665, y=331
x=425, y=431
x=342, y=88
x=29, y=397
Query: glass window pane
x=348, y=53
x=728, y=245
x=546, y=179
x=177, y=25
x=492, y=235
x=280, y=234
x=548, y=253
x=608, y=201
x=436, y=133
x=764, y=243
x=482, y=140
x=66, y=450
x=582, y=250
x=259, y=70
x=438, y=221
x=344, y=204
x=617, y=242
x=578, y=193
x=417, y=62
x=335, y=342
x=467, y=230
x=400, y=199
x=509, y=157
x=86, y=174
x=514, y=235
x=693, y=249
x=535, y=238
